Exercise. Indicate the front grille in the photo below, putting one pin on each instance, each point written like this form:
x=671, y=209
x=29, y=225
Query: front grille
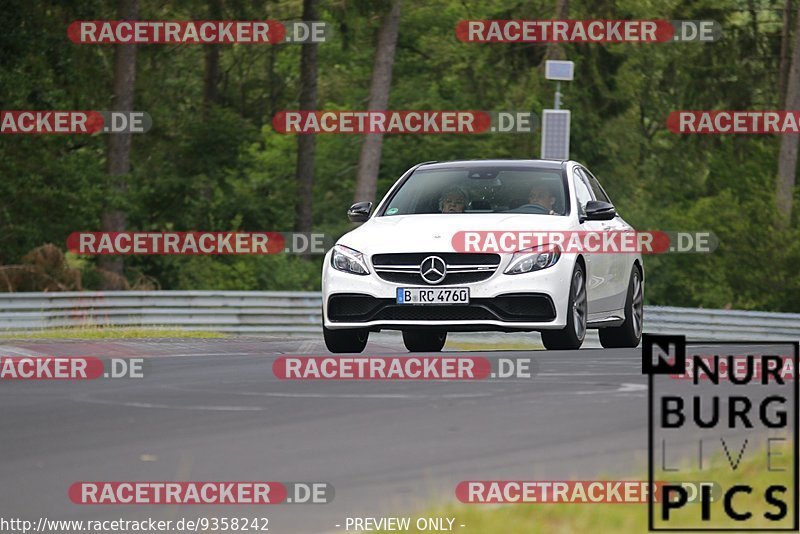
x=464, y=268
x=449, y=280
x=517, y=307
x=451, y=258
x=434, y=313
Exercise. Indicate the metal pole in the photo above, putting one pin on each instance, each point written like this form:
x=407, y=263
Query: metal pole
x=557, y=102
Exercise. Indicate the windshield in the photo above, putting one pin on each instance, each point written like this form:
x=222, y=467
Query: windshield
x=480, y=190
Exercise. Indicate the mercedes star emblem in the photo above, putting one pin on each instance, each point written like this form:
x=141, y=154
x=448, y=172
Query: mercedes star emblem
x=433, y=269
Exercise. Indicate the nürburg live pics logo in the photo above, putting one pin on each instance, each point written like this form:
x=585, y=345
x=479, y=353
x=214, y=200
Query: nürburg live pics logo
x=722, y=416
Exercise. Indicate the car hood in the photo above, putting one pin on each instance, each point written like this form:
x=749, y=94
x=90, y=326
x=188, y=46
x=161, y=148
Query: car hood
x=433, y=233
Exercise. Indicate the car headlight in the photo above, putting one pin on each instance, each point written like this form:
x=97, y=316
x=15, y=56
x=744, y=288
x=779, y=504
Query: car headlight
x=533, y=259
x=348, y=260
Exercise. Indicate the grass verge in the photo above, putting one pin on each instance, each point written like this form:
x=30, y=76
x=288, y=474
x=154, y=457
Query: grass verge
x=535, y=518
x=112, y=333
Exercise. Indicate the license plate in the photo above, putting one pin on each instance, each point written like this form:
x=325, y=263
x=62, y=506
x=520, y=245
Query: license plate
x=427, y=295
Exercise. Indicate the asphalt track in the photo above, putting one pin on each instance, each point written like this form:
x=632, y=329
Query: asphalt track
x=212, y=410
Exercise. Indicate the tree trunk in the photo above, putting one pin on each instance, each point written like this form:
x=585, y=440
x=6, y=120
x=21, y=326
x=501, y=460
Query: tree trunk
x=306, y=143
x=211, y=63
x=115, y=219
x=556, y=50
x=783, y=71
x=370, y=161
x=787, y=159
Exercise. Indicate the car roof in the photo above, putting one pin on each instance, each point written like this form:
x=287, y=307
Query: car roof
x=473, y=163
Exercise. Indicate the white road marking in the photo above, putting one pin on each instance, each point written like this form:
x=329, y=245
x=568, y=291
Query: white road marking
x=364, y=395
x=626, y=388
x=306, y=346
x=172, y=407
x=346, y=395
x=623, y=388
x=589, y=374
x=18, y=351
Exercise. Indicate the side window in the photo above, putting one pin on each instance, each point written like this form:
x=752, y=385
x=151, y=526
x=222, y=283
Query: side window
x=582, y=192
x=599, y=194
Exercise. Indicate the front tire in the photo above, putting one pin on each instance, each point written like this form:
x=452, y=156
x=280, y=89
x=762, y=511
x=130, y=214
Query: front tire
x=424, y=340
x=571, y=337
x=629, y=333
x=339, y=341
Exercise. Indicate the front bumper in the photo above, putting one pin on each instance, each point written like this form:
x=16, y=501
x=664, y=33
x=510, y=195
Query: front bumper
x=522, y=302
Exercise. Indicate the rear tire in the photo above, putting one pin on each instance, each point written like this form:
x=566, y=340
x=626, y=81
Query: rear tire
x=571, y=336
x=629, y=333
x=424, y=340
x=339, y=341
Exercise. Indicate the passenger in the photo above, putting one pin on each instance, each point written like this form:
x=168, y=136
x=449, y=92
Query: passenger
x=542, y=195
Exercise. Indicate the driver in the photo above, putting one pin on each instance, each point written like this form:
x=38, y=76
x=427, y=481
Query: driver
x=542, y=194
x=454, y=200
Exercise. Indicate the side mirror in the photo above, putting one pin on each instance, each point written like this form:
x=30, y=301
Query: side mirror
x=597, y=210
x=359, y=212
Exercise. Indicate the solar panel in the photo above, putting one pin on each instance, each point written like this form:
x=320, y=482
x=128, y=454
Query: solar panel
x=559, y=70
x=555, y=134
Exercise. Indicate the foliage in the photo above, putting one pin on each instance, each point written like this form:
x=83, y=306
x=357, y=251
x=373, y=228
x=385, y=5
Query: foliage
x=225, y=168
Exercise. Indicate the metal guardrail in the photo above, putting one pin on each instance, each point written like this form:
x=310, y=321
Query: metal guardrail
x=299, y=312
x=721, y=325
x=223, y=311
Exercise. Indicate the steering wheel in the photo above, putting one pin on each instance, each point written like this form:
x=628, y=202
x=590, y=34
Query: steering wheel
x=535, y=206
